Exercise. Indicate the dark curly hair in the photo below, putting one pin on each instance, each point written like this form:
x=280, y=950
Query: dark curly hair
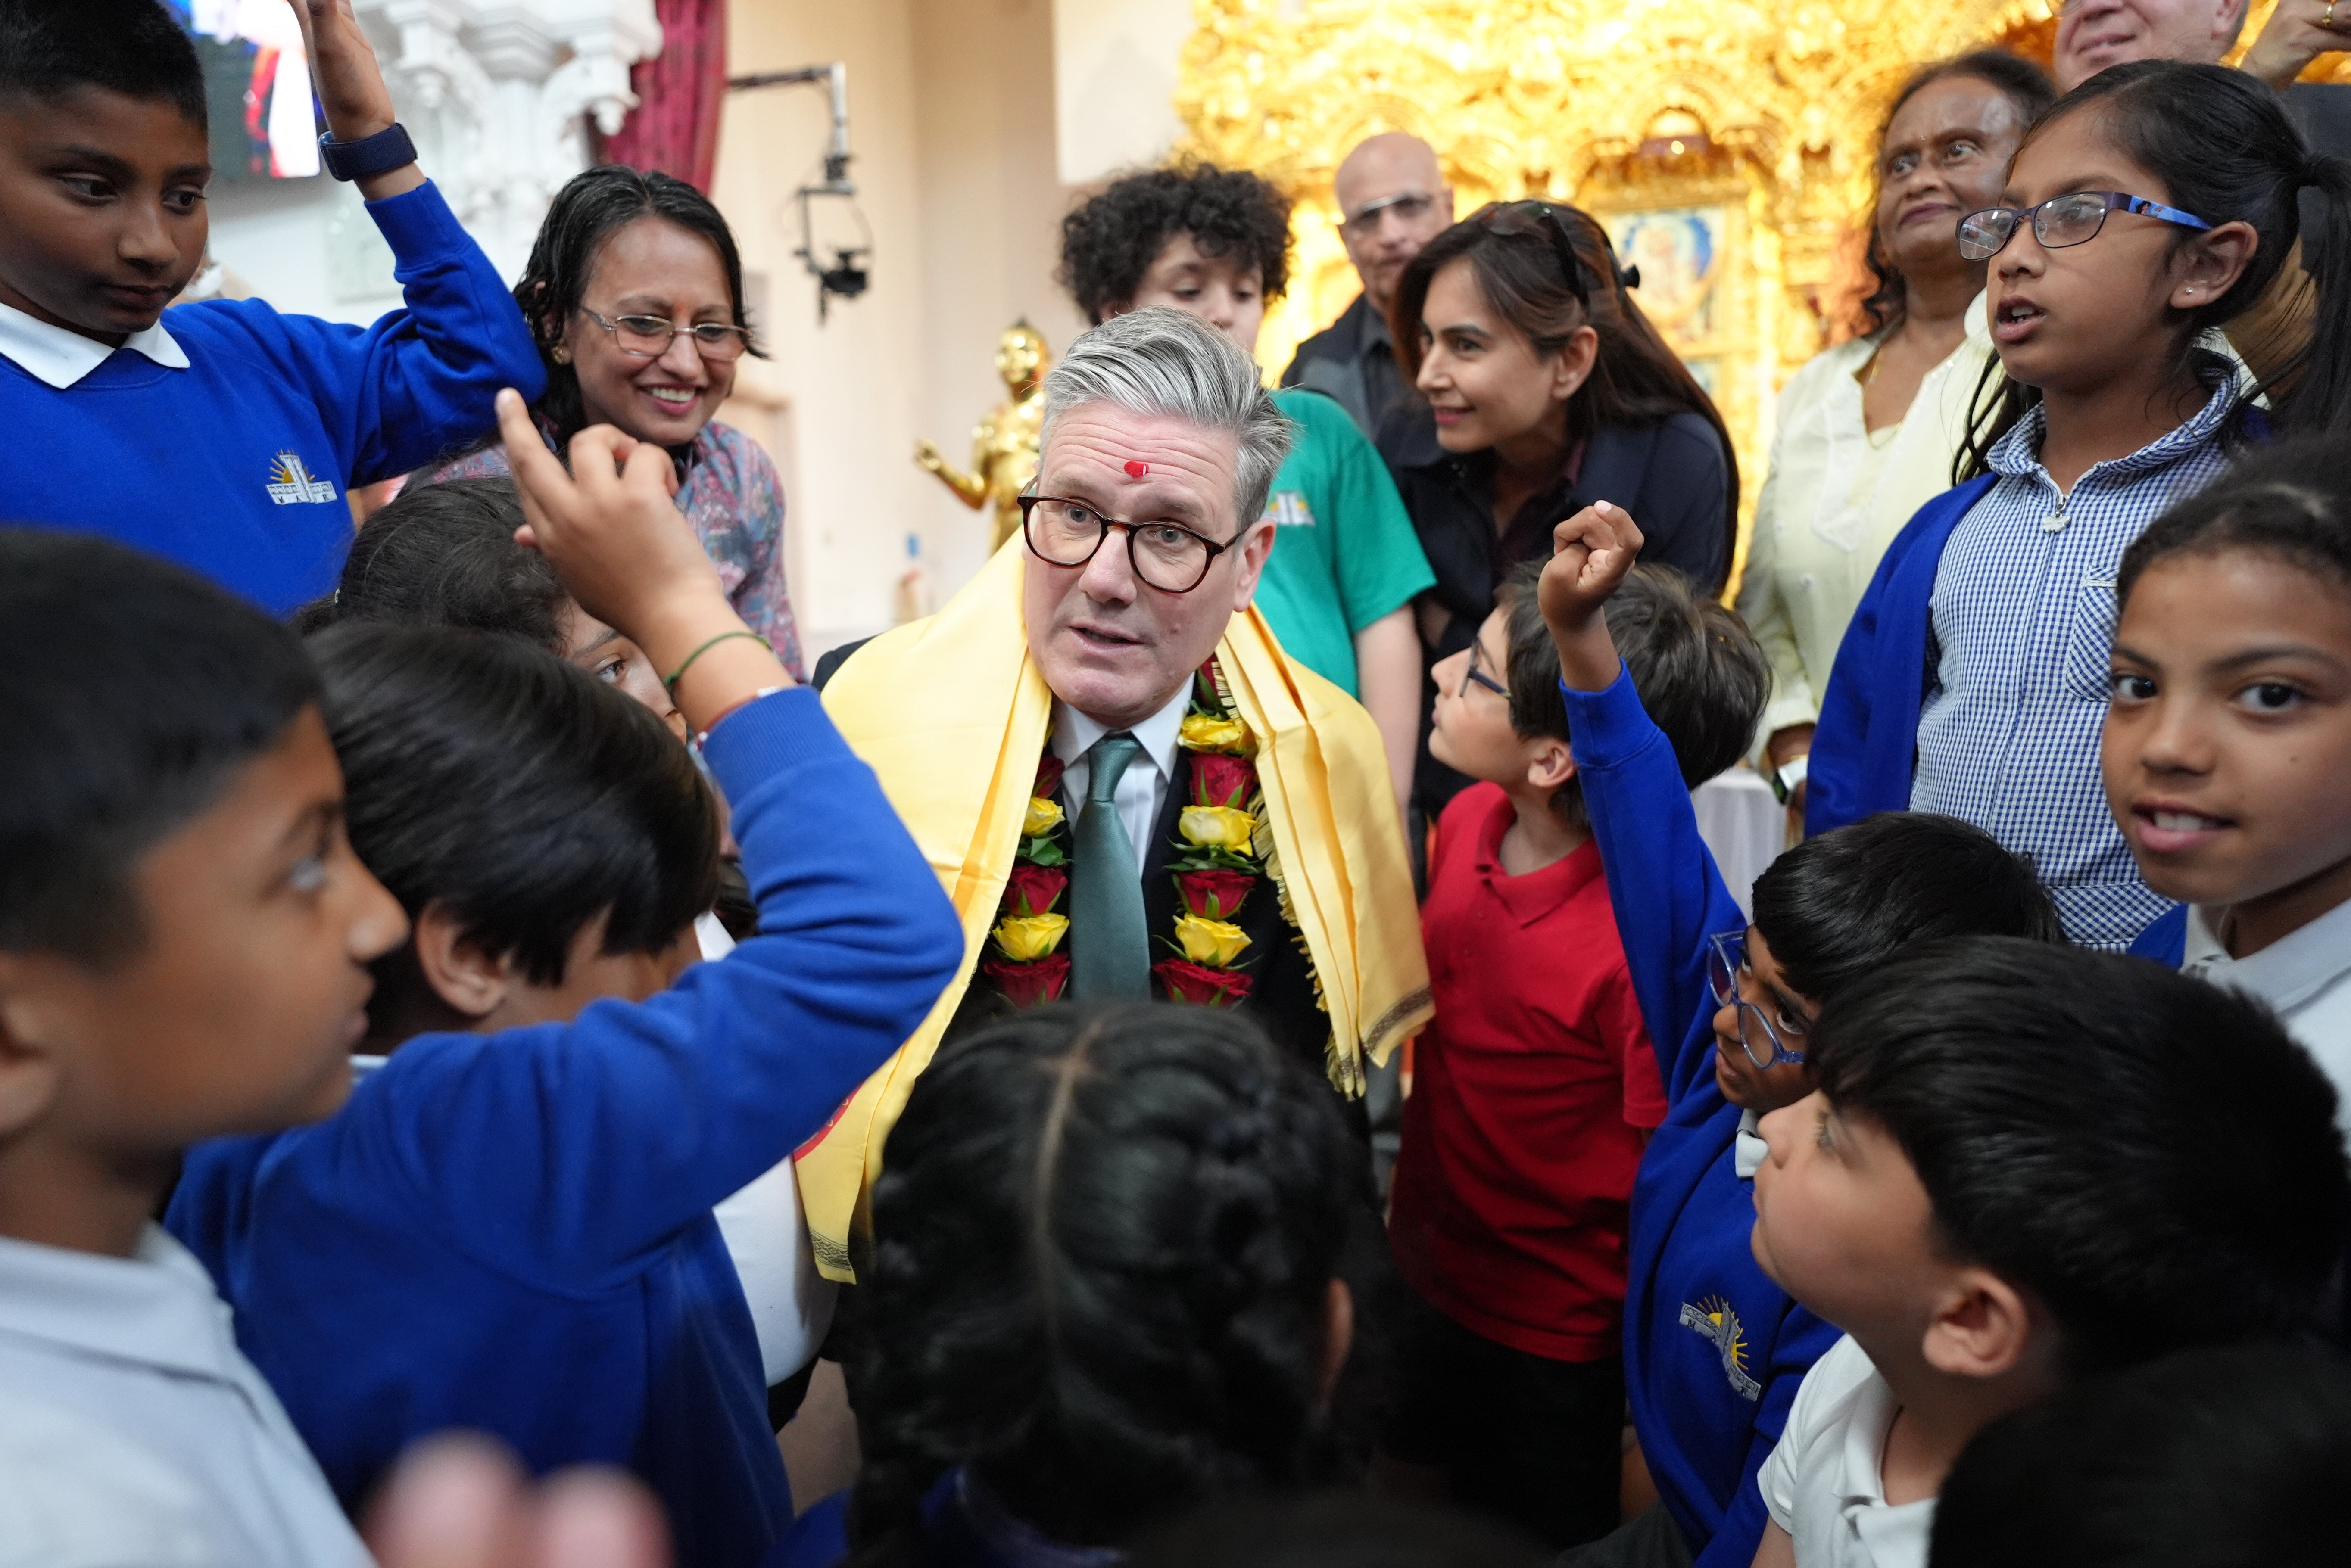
x=1109, y=241
x=445, y=554
x=1103, y=1243
x=2027, y=88
x=587, y=212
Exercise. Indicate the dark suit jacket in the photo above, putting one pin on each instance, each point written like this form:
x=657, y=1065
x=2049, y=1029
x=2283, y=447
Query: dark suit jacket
x=1281, y=994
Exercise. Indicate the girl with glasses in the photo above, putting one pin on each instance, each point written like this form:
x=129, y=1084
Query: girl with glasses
x=1714, y=1350
x=1542, y=387
x=635, y=293
x=2154, y=204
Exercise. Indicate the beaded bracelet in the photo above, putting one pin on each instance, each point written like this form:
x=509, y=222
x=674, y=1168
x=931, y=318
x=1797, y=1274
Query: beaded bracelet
x=670, y=682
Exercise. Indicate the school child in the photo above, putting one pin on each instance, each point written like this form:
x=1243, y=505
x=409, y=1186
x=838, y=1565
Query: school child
x=2024, y=1166
x=2154, y=203
x=2229, y=1458
x=1714, y=1349
x=1113, y=1278
x=185, y=936
x=119, y=410
x=509, y=1227
x=2229, y=739
x=445, y=554
x=1536, y=1088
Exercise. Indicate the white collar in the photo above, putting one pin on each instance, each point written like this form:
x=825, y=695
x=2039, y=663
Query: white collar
x=1749, y=1151
x=2287, y=973
x=60, y=357
x=156, y=1308
x=1074, y=734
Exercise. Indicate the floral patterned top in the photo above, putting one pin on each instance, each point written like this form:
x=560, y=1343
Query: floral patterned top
x=731, y=497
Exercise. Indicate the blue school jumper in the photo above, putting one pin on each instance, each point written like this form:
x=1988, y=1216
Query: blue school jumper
x=512, y=1232
x=1714, y=1351
x=237, y=466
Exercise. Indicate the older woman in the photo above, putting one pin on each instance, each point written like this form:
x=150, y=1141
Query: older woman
x=1868, y=430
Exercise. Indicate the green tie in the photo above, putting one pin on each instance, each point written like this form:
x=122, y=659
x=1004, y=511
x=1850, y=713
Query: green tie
x=1112, y=954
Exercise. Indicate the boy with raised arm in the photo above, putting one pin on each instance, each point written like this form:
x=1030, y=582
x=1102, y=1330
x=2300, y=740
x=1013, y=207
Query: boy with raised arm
x=509, y=1228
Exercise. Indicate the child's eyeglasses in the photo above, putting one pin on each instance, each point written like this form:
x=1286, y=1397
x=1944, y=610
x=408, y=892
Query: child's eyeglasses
x=1726, y=963
x=649, y=337
x=2072, y=219
x=1477, y=677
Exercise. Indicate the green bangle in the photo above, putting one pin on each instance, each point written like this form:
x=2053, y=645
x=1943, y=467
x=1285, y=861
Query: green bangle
x=670, y=680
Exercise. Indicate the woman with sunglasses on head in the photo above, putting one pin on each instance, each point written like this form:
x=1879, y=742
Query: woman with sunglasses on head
x=1542, y=387
x=2156, y=203
x=1866, y=429
x=634, y=292
x=1715, y=1350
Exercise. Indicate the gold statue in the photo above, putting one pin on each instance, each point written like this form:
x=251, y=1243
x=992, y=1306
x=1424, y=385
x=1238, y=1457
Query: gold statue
x=1004, y=443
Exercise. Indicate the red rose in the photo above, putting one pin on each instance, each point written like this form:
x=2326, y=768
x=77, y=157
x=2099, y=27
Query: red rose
x=1026, y=984
x=1221, y=780
x=1214, y=895
x=1188, y=981
x=1034, y=889
x=1048, y=777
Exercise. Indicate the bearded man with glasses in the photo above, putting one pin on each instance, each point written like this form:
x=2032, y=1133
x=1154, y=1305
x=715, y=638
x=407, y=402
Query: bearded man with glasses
x=1128, y=789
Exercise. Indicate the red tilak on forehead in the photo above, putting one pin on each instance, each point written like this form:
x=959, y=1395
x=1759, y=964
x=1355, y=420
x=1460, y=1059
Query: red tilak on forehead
x=1136, y=468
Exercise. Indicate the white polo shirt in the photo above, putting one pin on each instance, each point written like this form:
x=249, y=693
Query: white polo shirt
x=1825, y=1483
x=2304, y=975
x=132, y=1430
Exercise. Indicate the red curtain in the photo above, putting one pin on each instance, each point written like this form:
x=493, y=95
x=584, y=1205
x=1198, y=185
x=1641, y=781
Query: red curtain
x=674, y=127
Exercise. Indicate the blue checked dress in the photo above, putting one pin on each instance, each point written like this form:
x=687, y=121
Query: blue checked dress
x=2020, y=624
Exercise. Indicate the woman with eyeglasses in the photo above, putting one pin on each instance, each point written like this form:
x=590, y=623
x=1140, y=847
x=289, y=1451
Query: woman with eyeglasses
x=1715, y=1349
x=1866, y=429
x=2154, y=203
x=1542, y=388
x=635, y=293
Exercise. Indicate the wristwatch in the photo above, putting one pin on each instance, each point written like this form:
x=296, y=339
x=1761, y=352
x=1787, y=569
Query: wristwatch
x=1789, y=777
x=386, y=151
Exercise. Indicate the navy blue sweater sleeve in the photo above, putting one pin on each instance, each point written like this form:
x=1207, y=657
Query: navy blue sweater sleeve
x=1834, y=781
x=1662, y=882
x=565, y=1153
x=421, y=380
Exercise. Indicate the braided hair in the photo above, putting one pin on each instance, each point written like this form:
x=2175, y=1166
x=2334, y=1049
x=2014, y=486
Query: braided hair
x=1104, y=1240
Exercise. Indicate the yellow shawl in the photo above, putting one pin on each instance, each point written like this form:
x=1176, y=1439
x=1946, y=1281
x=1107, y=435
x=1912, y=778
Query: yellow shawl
x=952, y=715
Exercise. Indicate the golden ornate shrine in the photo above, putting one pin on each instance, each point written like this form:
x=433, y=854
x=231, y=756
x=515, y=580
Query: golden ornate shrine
x=1728, y=146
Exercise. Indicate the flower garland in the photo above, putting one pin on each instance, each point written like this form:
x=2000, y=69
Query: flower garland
x=1222, y=823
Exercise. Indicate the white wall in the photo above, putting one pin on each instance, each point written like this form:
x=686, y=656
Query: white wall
x=1114, y=84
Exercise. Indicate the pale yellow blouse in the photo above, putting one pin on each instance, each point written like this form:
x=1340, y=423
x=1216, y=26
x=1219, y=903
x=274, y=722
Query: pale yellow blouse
x=1834, y=498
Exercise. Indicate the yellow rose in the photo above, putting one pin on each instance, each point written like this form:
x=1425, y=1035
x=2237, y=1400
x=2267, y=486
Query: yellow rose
x=1218, y=828
x=1027, y=938
x=1044, y=815
x=1214, y=944
x=1202, y=732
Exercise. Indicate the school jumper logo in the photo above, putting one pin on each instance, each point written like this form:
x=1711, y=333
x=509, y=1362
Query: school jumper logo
x=1288, y=509
x=290, y=481
x=1712, y=1316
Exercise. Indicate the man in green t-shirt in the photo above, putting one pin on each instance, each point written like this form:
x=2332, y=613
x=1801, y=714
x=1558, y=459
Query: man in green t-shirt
x=1337, y=588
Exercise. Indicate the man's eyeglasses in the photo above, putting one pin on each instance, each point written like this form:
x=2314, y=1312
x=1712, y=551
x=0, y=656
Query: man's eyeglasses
x=1475, y=676
x=649, y=337
x=1167, y=555
x=2072, y=219
x=1765, y=1043
x=1365, y=221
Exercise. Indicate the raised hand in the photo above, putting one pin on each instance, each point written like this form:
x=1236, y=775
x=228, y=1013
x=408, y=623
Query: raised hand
x=462, y=1503
x=1591, y=553
x=613, y=532
x=351, y=86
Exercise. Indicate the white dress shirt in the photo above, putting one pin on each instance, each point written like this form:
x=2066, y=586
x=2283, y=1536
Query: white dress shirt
x=136, y=1431
x=1143, y=788
x=2304, y=975
x=1824, y=1482
x=60, y=357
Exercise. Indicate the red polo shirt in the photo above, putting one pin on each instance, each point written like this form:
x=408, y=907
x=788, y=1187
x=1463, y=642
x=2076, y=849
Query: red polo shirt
x=1529, y=1090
